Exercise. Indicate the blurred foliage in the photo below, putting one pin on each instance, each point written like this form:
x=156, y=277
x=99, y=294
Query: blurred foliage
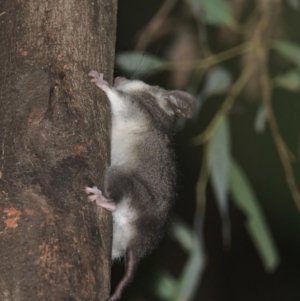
x=168, y=288
x=245, y=199
x=250, y=35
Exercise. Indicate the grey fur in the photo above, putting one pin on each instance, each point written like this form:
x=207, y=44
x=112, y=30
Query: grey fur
x=140, y=183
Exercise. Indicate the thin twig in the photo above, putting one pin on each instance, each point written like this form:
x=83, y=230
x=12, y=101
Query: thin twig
x=226, y=106
x=210, y=60
x=262, y=57
x=283, y=150
x=154, y=24
x=202, y=182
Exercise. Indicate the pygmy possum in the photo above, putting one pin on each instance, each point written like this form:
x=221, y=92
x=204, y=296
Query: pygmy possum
x=140, y=182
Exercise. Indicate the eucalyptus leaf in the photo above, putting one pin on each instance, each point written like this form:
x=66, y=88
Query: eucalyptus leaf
x=219, y=163
x=260, y=120
x=218, y=80
x=182, y=233
x=294, y=4
x=196, y=6
x=216, y=12
x=164, y=286
x=289, y=50
x=192, y=272
x=289, y=81
x=192, y=241
x=139, y=63
x=256, y=224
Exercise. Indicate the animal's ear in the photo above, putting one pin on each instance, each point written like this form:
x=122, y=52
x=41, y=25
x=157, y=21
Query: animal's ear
x=179, y=103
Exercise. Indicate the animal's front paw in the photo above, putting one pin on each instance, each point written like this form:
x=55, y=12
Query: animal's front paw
x=99, y=81
x=96, y=196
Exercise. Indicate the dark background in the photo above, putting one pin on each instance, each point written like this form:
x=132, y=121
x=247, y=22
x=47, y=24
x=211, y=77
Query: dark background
x=236, y=274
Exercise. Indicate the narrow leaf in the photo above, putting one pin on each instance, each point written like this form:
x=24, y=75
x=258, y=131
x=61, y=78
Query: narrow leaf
x=289, y=81
x=219, y=162
x=192, y=272
x=164, y=286
x=216, y=12
x=194, y=267
x=182, y=233
x=289, y=50
x=260, y=120
x=294, y=4
x=218, y=80
x=256, y=224
x=139, y=63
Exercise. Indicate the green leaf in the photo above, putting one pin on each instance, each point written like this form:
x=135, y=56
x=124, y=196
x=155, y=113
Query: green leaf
x=289, y=50
x=164, y=286
x=193, y=269
x=295, y=4
x=256, y=224
x=139, y=63
x=216, y=12
x=289, y=81
x=260, y=120
x=218, y=81
x=192, y=272
x=182, y=233
x=219, y=162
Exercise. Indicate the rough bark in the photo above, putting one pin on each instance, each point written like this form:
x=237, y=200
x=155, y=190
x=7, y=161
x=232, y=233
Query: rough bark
x=54, y=141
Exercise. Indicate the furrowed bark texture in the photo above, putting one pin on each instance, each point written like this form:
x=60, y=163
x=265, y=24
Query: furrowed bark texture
x=54, y=141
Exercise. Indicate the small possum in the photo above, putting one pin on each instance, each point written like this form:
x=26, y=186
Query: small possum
x=140, y=182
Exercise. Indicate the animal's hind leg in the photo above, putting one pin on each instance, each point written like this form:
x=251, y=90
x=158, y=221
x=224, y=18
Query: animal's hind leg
x=96, y=196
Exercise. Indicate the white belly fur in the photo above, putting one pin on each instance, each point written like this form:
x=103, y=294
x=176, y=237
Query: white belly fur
x=123, y=232
x=125, y=137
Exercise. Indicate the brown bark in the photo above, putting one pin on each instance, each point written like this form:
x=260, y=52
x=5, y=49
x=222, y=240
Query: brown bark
x=54, y=141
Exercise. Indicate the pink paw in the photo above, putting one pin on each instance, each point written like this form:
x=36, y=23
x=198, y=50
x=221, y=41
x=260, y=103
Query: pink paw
x=99, y=81
x=96, y=196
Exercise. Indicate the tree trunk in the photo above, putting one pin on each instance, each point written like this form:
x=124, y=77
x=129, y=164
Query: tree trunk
x=54, y=141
